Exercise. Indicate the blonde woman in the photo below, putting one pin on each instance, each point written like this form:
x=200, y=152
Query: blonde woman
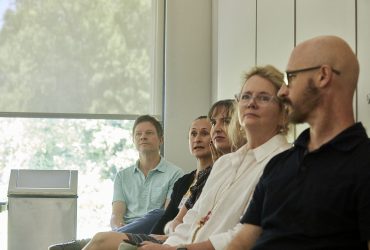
x=214, y=219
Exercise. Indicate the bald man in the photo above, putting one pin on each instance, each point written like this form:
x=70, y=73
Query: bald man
x=317, y=194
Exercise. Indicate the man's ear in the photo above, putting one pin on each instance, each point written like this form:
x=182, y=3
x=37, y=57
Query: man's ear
x=326, y=74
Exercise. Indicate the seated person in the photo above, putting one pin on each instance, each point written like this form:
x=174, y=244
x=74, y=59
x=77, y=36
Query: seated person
x=220, y=115
x=316, y=195
x=212, y=221
x=148, y=184
x=142, y=187
x=199, y=140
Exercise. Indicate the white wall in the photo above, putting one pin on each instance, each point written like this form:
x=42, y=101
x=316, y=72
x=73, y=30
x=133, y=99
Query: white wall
x=276, y=26
x=234, y=45
x=363, y=49
x=329, y=17
x=275, y=32
x=187, y=75
x=211, y=42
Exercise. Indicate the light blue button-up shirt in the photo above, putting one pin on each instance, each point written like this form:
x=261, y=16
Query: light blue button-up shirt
x=142, y=194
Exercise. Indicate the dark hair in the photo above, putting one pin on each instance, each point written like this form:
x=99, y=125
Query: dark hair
x=201, y=117
x=152, y=120
x=228, y=104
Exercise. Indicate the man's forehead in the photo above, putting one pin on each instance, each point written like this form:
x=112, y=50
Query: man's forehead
x=303, y=55
x=144, y=126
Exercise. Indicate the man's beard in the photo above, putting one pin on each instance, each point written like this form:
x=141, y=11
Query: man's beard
x=299, y=112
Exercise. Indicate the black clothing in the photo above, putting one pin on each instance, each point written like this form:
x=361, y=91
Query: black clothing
x=180, y=188
x=196, y=190
x=315, y=200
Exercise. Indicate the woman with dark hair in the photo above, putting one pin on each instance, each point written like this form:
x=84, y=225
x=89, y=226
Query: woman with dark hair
x=219, y=116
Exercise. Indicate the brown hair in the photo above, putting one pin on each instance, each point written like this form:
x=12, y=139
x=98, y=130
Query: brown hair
x=152, y=120
x=235, y=134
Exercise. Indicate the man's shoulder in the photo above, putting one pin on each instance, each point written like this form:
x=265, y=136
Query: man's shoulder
x=126, y=175
x=169, y=168
x=361, y=154
x=129, y=169
x=278, y=161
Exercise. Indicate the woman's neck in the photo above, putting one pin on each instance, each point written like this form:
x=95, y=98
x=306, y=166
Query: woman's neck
x=203, y=163
x=256, y=138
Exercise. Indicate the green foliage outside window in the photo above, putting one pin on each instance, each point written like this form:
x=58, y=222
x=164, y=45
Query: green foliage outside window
x=85, y=56
x=96, y=148
x=74, y=56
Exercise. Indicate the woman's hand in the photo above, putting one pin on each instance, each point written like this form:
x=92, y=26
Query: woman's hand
x=159, y=237
x=215, y=153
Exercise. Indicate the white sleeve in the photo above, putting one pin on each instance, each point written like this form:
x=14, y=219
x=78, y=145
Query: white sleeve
x=182, y=234
x=184, y=231
x=221, y=241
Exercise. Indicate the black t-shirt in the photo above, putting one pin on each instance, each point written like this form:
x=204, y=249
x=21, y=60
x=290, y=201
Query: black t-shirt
x=180, y=188
x=315, y=200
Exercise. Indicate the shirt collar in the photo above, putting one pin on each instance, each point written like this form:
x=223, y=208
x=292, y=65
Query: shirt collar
x=160, y=167
x=266, y=149
x=344, y=141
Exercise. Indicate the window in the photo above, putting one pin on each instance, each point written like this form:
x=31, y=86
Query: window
x=84, y=57
x=73, y=77
x=97, y=148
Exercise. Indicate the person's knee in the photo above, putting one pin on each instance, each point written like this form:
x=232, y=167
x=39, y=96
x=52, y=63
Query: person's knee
x=100, y=238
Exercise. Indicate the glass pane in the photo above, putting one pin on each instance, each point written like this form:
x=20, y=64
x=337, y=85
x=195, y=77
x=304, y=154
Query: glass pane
x=78, y=56
x=96, y=148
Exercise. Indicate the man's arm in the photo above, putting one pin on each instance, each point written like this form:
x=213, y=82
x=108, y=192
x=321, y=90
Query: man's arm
x=166, y=203
x=118, y=212
x=245, y=238
x=368, y=245
x=205, y=245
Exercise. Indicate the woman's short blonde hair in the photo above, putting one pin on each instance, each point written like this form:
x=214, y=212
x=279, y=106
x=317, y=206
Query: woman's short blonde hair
x=235, y=132
x=276, y=77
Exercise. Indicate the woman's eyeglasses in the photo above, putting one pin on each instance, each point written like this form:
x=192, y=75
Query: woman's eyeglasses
x=260, y=99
